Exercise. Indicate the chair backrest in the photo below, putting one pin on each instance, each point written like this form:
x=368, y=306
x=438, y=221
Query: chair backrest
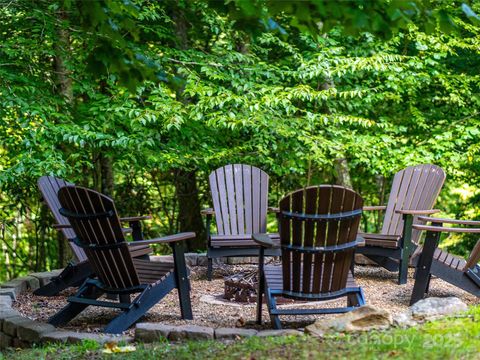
x=312, y=218
x=474, y=257
x=49, y=186
x=240, y=199
x=95, y=221
x=413, y=188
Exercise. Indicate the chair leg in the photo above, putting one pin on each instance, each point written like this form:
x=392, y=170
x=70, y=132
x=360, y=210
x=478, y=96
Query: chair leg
x=260, y=292
x=73, y=309
x=209, y=269
x=428, y=283
x=141, y=304
x=181, y=281
x=352, y=300
x=272, y=305
x=72, y=275
x=403, y=268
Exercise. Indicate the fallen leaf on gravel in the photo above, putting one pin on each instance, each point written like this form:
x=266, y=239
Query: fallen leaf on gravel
x=240, y=322
x=111, y=348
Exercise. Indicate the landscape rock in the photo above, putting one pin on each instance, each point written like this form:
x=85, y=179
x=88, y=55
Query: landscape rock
x=202, y=260
x=22, y=284
x=11, y=292
x=162, y=258
x=281, y=332
x=75, y=338
x=10, y=325
x=5, y=302
x=151, y=332
x=363, y=318
x=56, y=336
x=404, y=320
x=32, y=331
x=233, y=333
x=7, y=313
x=433, y=307
x=45, y=277
x=191, y=259
x=191, y=332
x=5, y=340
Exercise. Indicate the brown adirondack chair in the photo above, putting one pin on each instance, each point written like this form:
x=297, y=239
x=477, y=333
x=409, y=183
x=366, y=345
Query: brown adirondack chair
x=413, y=193
x=457, y=271
x=240, y=197
x=94, y=219
x=318, y=235
x=75, y=273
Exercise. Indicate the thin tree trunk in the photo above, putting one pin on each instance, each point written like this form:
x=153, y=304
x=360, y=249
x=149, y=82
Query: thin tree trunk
x=343, y=173
x=189, y=207
x=64, y=88
x=107, y=176
x=186, y=180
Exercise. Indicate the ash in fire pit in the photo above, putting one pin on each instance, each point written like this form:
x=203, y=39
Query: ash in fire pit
x=241, y=287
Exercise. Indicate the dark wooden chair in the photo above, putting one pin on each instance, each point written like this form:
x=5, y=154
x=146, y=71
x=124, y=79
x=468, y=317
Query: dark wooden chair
x=75, y=273
x=240, y=197
x=413, y=193
x=457, y=271
x=318, y=234
x=94, y=219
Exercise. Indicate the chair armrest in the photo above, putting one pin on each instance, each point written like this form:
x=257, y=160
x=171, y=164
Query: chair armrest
x=263, y=240
x=164, y=240
x=448, y=221
x=376, y=208
x=135, y=218
x=273, y=209
x=360, y=241
x=208, y=211
x=447, y=230
x=417, y=212
x=61, y=226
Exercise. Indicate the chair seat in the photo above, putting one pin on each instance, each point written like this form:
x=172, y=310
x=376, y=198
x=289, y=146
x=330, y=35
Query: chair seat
x=381, y=240
x=448, y=259
x=243, y=240
x=150, y=272
x=274, y=277
x=140, y=250
x=452, y=261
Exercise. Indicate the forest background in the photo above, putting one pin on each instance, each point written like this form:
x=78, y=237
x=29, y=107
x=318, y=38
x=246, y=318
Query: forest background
x=141, y=100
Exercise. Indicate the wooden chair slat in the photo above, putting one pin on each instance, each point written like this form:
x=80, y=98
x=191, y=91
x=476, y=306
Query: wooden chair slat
x=239, y=197
x=297, y=239
x=222, y=196
x=323, y=207
x=336, y=204
x=256, y=200
x=285, y=235
x=230, y=187
x=216, y=202
x=263, y=202
x=311, y=198
x=247, y=190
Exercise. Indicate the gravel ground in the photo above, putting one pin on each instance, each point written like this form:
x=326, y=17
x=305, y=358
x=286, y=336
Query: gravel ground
x=209, y=309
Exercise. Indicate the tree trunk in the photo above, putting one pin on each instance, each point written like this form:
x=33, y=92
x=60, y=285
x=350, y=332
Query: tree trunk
x=64, y=88
x=186, y=181
x=107, y=178
x=343, y=173
x=189, y=207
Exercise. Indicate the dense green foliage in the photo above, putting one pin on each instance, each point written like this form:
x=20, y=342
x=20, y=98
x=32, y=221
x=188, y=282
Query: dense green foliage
x=306, y=108
x=451, y=338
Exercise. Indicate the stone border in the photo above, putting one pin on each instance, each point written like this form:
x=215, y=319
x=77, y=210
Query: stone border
x=21, y=332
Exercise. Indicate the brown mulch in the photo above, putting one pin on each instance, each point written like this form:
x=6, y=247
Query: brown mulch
x=209, y=309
